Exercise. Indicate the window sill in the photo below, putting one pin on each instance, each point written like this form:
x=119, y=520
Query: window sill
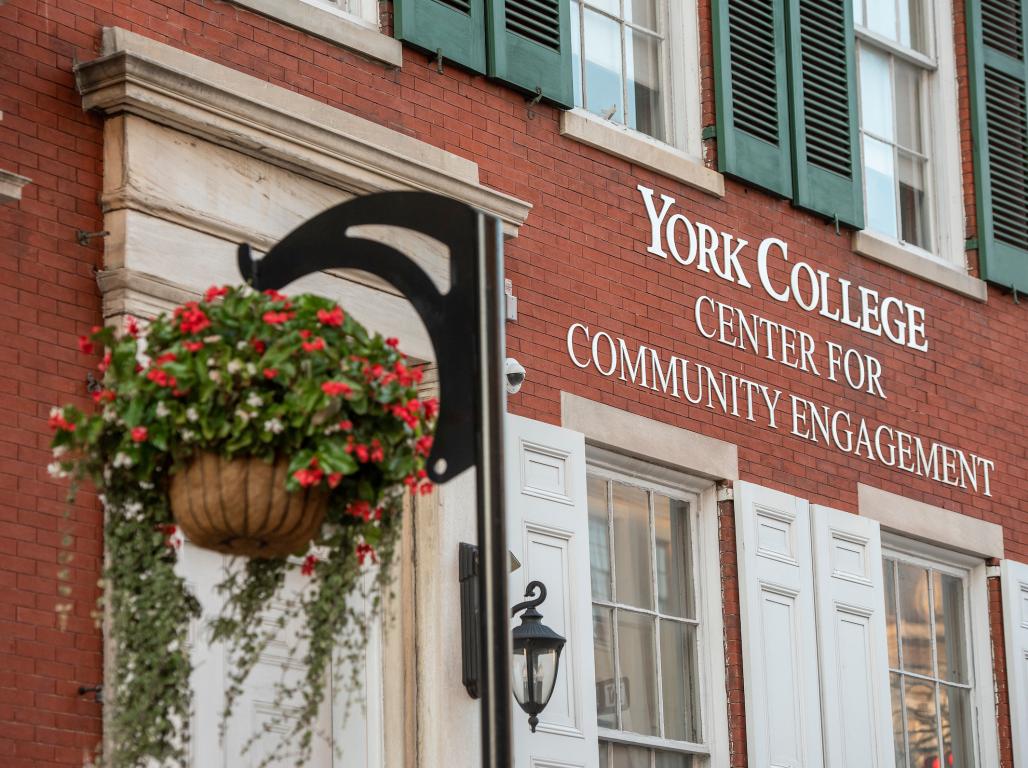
x=10, y=186
x=334, y=27
x=910, y=261
x=620, y=142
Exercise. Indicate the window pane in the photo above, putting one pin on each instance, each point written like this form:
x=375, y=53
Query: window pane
x=891, y=622
x=630, y=757
x=645, y=93
x=908, y=106
x=880, y=184
x=599, y=538
x=576, y=50
x=610, y=6
x=922, y=734
x=639, y=669
x=955, y=714
x=896, y=686
x=681, y=681
x=951, y=650
x=643, y=13
x=913, y=25
x=674, y=557
x=881, y=17
x=913, y=213
x=876, y=100
x=674, y=760
x=915, y=622
x=858, y=12
x=603, y=654
x=604, y=92
x=633, y=576
x=604, y=754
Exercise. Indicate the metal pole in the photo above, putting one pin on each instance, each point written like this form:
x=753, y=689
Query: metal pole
x=492, y=533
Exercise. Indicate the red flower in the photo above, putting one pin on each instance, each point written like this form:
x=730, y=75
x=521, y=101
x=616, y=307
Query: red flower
x=362, y=453
x=364, y=551
x=313, y=346
x=131, y=326
x=104, y=364
x=57, y=421
x=359, y=508
x=431, y=406
x=336, y=388
x=346, y=425
x=270, y=373
x=305, y=334
x=103, y=396
x=161, y=378
x=167, y=357
x=193, y=346
x=376, y=451
x=333, y=317
x=215, y=292
x=335, y=479
x=275, y=295
x=277, y=318
x=191, y=318
x=259, y=346
x=308, y=565
x=393, y=342
x=85, y=345
x=139, y=434
x=169, y=531
x=423, y=445
x=373, y=372
x=310, y=476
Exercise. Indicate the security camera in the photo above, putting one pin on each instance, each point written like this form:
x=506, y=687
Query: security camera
x=515, y=373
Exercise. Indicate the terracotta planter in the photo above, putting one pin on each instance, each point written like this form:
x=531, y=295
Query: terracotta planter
x=241, y=507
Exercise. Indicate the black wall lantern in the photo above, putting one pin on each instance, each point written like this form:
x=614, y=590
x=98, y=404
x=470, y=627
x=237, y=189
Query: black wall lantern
x=536, y=656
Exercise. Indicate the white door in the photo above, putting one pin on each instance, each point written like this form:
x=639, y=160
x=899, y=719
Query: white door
x=1014, y=585
x=547, y=530
x=354, y=729
x=779, y=644
x=855, y=704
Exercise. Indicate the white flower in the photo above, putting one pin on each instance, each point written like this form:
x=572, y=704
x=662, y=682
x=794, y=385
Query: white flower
x=122, y=459
x=56, y=470
x=133, y=510
x=103, y=499
x=188, y=435
x=107, y=475
x=60, y=450
x=162, y=410
x=215, y=376
x=241, y=345
x=254, y=400
x=145, y=485
x=274, y=426
x=211, y=339
x=110, y=415
x=234, y=366
x=251, y=369
x=242, y=415
x=191, y=414
x=211, y=362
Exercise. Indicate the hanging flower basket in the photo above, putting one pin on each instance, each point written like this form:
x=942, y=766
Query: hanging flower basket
x=260, y=425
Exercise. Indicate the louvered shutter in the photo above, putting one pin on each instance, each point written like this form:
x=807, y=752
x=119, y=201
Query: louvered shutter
x=999, y=112
x=827, y=173
x=454, y=28
x=750, y=72
x=530, y=47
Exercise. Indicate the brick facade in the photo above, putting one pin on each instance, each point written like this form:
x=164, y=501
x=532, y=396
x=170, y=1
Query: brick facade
x=580, y=257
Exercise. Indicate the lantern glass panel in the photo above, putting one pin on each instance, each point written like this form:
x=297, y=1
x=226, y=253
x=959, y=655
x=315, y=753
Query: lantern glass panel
x=534, y=675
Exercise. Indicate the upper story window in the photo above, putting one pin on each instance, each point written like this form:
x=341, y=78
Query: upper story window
x=896, y=60
x=646, y=624
x=619, y=55
x=930, y=663
x=363, y=10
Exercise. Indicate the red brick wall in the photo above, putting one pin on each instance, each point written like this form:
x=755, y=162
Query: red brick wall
x=580, y=257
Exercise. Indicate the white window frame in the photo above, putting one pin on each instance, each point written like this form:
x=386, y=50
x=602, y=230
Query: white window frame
x=364, y=11
x=701, y=496
x=941, y=125
x=972, y=570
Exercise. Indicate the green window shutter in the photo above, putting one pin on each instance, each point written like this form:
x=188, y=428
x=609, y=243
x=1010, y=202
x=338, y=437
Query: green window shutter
x=826, y=154
x=456, y=28
x=999, y=120
x=530, y=47
x=751, y=79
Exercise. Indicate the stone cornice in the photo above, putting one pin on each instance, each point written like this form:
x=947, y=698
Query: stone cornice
x=136, y=75
x=11, y=184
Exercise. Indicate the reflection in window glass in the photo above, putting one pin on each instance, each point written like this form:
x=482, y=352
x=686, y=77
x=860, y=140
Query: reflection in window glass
x=636, y=644
x=606, y=672
x=599, y=538
x=929, y=677
x=618, y=54
x=634, y=581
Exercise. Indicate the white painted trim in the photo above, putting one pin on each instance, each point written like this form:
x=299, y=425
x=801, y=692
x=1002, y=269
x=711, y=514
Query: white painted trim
x=11, y=185
x=628, y=433
x=914, y=261
x=140, y=76
x=358, y=32
x=587, y=128
x=984, y=680
x=930, y=523
x=1013, y=580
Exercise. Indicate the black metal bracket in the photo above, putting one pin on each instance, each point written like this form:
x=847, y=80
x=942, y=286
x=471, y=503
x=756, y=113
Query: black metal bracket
x=470, y=618
x=533, y=101
x=84, y=237
x=466, y=327
x=96, y=690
